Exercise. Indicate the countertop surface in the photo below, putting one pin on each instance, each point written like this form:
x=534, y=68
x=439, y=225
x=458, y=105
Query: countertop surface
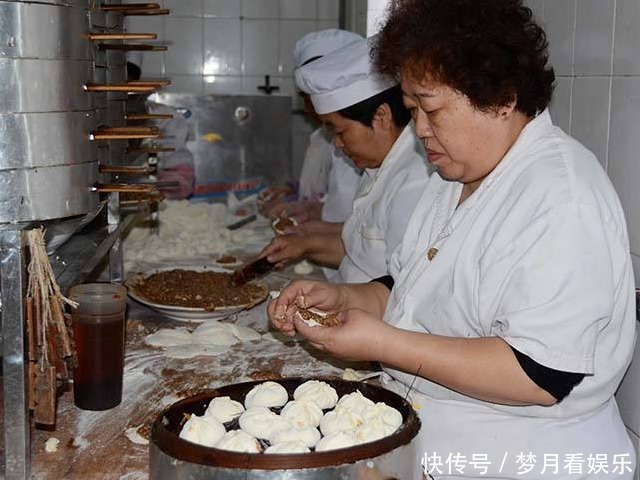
x=93, y=445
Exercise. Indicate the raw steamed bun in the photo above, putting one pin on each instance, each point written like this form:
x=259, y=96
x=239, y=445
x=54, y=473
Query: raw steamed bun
x=303, y=413
x=389, y=415
x=262, y=422
x=239, y=441
x=323, y=394
x=339, y=420
x=373, y=429
x=309, y=436
x=224, y=409
x=356, y=402
x=288, y=447
x=203, y=430
x=337, y=440
x=267, y=394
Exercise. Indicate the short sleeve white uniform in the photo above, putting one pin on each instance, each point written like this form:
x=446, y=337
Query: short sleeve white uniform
x=538, y=256
x=381, y=210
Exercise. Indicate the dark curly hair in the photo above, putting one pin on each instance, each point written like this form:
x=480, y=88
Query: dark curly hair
x=490, y=50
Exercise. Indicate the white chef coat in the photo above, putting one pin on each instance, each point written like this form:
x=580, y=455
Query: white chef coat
x=344, y=178
x=314, y=177
x=538, y=256
x=381, y=210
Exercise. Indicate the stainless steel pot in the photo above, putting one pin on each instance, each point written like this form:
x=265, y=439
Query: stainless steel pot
x=395, y=457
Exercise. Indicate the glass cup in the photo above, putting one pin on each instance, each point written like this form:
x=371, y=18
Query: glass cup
x=99, y=331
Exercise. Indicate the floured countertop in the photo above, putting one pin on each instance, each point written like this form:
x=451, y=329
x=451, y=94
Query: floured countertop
x=93, y=445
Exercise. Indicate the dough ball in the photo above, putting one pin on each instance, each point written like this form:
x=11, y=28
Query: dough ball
x=323, y=394
x=356, y=402
x=262, y=422
x=239, y=441
x=288, y=447
x=267, y=394
x=203, y=430
x=224, y=409
x=339, y=420
x=309, y=436
x=303, y=268
x=303, y=413
x=388, y=415
x=372, y=430
x=337, y=440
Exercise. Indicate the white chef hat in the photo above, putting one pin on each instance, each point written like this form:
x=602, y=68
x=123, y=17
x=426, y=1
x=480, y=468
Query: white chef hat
x=342, y=78
x=319, y=44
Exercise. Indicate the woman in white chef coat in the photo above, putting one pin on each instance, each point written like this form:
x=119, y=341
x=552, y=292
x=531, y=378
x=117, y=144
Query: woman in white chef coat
x=329, y=179
x=509, y=314
x=370, y=124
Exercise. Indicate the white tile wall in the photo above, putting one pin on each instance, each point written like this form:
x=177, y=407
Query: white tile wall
x=228, y=46
x=595, y=50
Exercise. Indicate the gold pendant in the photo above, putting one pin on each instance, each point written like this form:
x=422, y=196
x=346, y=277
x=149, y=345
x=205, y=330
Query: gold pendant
x=433, y=251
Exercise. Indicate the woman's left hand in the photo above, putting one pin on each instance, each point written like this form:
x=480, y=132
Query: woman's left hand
x=360, y=337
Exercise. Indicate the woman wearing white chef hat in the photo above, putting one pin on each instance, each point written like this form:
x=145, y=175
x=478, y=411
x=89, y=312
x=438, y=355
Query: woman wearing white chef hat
x=364, y=111
x=328, y=180
x=509, y=315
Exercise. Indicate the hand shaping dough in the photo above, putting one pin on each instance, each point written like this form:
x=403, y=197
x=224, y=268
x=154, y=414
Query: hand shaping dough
x=315, y=318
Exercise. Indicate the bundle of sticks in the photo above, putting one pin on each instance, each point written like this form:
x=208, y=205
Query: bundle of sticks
x=51, y=353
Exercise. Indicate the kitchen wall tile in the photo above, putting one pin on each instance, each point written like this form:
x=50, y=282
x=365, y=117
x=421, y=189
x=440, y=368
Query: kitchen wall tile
x=223, y=85
x=222, y=8
x=222, y=46
x=184, y=36
x=259, y=47
x=375, y=20
x=184, y=8
x=290, y=32
x=324, y=24
x=590, y=115
x=627, y=39
x=559, y=20
x=152, y=62
x=250, y=84
x=594, y=37
x=624, y=162
x=328, y=9
x=185, y=84
x=306, y=9
x=560, y=107
x=260, y=8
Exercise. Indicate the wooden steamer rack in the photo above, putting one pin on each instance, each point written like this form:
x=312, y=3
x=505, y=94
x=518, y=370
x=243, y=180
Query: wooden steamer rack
x=63, y=102
x=392, y=458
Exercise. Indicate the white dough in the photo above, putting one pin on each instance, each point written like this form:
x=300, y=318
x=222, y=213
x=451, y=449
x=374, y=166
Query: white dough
x=222, y=338
x=389, y=415
x=274, y=294
x=281, y=337
x=133, y=435
x=203, y=430
x=239, y=441
x=262, y=422
x=167, y=337
x=303, y=413
x=183, y=352
x=337, y=440
x=245, y=334
x=322, y=393
x=51, y=445
x=303, y=268
x=339, y=420
x=356, y=402
x=288, y=447
x=373, y=429
x=309, y=436
x=267, y=394
x=224, y=409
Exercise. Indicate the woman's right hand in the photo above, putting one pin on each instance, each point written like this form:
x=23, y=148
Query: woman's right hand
x=322, y=296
